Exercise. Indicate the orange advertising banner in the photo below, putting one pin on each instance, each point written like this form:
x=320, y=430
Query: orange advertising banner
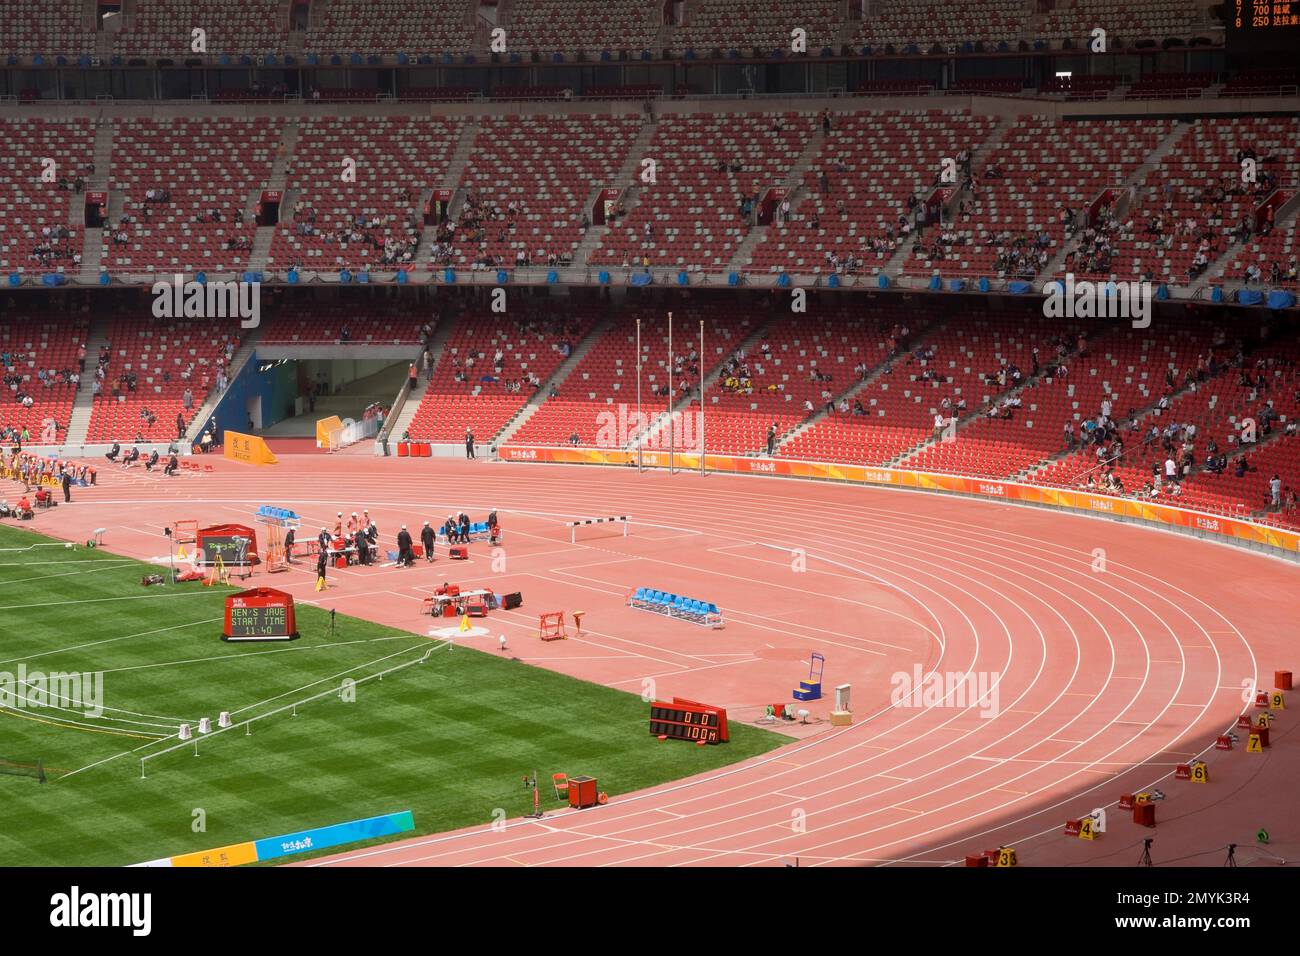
x=1235, y=528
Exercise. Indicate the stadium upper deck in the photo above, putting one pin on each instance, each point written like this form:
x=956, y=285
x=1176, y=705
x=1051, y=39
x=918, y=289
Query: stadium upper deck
x=446, y=31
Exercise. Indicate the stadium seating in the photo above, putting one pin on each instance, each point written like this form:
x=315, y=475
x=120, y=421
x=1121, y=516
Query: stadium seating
x=901, y=403
x=467, y=390
x=1170, y=86
x=327, y=323
x=394, y=26
x=872, y=162
x=29, y=27
x=602, y=380
x=30, y=204
x=766, y=27
x=1123, y=20
x=550, y=26
x=395, y=159
x=924, y=23
x=530, y=161
x=29, y=343
x=1121, y=367
x=164, y=27
x=693, y=207
x=781, y=367
x=1177, y=195
x=1037, y=171
x=166, y=358
x=207, y=165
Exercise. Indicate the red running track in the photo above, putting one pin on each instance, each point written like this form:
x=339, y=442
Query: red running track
x=1107, y=667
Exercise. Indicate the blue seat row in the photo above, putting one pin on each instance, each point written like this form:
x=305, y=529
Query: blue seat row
x=674, y=602
x=266, y=511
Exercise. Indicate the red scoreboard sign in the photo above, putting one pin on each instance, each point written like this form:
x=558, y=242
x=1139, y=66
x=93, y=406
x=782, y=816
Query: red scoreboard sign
x=260, y=614
x=689, y=720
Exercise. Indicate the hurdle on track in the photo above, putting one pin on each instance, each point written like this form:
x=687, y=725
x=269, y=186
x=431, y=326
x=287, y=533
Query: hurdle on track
x=573, y=526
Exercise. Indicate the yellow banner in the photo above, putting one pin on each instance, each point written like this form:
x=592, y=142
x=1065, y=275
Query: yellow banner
x=235, y=855
x=248, y=448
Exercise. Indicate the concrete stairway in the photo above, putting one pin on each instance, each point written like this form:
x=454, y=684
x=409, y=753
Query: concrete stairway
x=83, y=403
x=625, y=180
x=247, y=346
x=92, y=244
x=793, y=184
x=407, y=402
x=278, y=179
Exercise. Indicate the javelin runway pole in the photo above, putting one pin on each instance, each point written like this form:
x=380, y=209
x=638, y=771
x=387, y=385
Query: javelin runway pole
x=640, y=426
x=672, y=393
x=700, y=367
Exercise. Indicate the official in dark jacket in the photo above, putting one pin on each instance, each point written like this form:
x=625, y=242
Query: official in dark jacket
x=427, y=538
x=405, y=556
x=322, y=562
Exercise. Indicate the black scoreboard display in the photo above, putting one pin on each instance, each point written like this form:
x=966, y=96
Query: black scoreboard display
x=688, y=720
x=1255, y=26
x=260, y=614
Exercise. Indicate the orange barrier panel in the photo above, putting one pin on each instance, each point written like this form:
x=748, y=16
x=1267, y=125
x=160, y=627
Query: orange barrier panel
x=983, y=487
x=249, y=449
x=324, y=428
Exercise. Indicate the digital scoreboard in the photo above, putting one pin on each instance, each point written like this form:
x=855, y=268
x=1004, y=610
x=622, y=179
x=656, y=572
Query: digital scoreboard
x=688, y=720
x=260, y=614
x=1255, y=26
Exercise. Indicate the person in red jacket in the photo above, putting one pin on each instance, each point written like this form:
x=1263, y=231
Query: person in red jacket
x=24, y=507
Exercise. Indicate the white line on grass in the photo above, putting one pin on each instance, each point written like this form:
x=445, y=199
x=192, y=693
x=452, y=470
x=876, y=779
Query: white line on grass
x=104, y=566
x=133, y=597
x=107, y=640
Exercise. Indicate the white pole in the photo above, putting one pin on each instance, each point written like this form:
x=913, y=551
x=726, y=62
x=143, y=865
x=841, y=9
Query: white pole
x=700, y=367
x=672, y=393
x=639, y=425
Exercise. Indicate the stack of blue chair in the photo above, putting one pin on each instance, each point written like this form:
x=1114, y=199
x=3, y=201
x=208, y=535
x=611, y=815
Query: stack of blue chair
x=674, y=605
x=278, y=514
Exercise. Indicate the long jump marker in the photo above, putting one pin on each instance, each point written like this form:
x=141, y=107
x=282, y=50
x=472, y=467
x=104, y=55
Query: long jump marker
x=573, y=526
